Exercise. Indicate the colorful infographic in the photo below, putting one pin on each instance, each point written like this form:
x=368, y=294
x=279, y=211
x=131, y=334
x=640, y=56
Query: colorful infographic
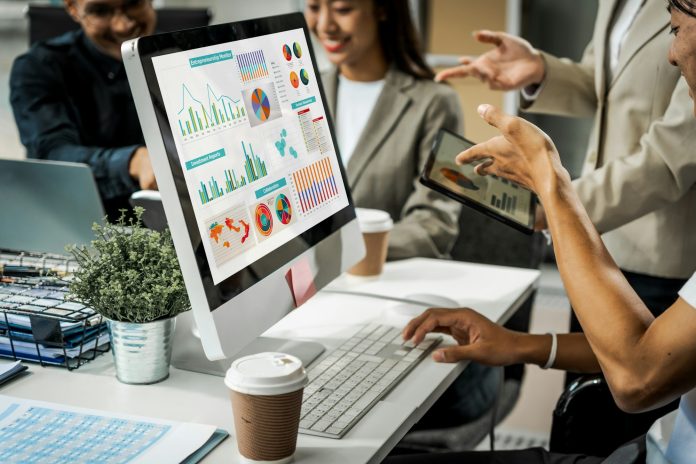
x=263, y=219
x=254, y=145
x=261, y=103
x=304, y=76
x=287, y=53
x=297, y=49
x=282, y=145
x=230, y=234
x=283, y=209
x=294, y=80
x=315, y=184
x=273, y=213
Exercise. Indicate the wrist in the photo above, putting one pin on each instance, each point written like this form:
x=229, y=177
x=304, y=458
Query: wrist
x=540, y=65
x=533, y=349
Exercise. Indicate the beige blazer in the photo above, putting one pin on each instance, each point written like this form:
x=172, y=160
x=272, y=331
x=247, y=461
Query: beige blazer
x=639, y=174
x=383, y=170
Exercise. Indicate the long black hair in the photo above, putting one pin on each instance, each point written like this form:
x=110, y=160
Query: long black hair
x=399, y=38
x=685, y=6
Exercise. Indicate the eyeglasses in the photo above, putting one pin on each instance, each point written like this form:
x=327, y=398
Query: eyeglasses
x=102, y=13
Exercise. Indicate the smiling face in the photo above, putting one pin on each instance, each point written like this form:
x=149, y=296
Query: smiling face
x=682, y=52
x=109, y=23
x=348, y=31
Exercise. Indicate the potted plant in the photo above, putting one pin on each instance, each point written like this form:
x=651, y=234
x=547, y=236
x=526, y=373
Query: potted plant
x=131, y=276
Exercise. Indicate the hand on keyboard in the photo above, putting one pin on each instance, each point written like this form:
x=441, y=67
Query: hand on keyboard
x=351, y=379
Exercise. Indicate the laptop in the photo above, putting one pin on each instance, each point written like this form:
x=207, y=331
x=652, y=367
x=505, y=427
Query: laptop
x=46, y=205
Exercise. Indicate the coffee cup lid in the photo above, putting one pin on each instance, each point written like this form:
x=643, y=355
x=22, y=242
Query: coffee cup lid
x=373, y=220
x=266, y=374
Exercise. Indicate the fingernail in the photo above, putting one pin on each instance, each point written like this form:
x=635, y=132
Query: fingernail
x=482, y=108
x=438, y=356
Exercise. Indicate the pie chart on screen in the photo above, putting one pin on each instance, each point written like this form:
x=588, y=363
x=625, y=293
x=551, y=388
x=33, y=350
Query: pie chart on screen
x=287, y=53
x=294, y=80
x=283, y=209
x=304, y=75
x=297, y=49
x=260, y=104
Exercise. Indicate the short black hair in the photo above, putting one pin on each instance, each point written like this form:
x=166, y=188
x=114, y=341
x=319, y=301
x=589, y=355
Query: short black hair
x=685, y=6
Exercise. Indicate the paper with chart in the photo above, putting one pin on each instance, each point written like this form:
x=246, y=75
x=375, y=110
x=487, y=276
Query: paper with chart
x=254, y=144
x=35, y=431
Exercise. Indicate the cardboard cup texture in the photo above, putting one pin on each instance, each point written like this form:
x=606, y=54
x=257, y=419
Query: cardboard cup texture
x=266, y=426
x=376, y=246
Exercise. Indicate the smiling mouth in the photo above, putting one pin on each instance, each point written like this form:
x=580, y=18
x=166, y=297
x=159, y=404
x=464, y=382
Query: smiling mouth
x=334, y=45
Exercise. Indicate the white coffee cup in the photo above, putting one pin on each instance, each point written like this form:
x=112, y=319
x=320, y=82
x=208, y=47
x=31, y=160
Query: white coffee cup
x=266, y=393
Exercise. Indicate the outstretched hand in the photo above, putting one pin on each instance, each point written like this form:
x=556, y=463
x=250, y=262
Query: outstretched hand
x=522, y=153
x=478, y=338
x=511, y=65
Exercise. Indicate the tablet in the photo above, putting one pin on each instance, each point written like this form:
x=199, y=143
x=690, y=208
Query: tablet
x=499, y=198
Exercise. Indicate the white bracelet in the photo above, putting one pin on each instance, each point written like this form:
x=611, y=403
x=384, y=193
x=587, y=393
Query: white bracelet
x=554, y=349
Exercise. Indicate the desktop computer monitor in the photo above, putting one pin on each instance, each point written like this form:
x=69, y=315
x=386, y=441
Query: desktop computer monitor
x=241, y=142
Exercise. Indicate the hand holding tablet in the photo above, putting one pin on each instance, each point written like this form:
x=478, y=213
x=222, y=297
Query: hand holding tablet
x=494, y=196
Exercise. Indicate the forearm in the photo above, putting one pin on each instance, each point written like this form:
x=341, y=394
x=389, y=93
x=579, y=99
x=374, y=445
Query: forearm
x=612, y=316
x=425, y=231
x=573, y=352
x=109, y=165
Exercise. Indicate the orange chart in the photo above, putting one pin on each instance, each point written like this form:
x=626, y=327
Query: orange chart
x=294, y=79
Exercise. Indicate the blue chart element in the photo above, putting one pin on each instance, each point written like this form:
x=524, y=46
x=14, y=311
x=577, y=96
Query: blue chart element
x=282, y=144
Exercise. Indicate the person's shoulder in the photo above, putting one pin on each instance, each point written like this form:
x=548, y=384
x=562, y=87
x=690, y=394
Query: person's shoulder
x=424, y=89
x=54, y=49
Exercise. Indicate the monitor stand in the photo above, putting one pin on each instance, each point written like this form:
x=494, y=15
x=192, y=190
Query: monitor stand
x=188, y=354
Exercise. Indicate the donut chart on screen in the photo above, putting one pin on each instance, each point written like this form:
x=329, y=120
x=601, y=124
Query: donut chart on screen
x=304, y=76
x=263, y=220
x=260, y=104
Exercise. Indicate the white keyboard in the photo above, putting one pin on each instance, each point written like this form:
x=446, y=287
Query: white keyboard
x=345, y=385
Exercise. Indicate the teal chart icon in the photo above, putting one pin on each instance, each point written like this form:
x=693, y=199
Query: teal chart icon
x=282, y=144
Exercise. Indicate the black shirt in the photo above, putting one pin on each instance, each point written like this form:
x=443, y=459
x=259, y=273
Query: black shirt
x=72, y=103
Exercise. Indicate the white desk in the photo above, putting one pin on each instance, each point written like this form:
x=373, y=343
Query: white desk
x=186, y=396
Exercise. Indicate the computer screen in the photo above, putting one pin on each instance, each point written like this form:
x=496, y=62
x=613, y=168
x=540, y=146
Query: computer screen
x=243, y=149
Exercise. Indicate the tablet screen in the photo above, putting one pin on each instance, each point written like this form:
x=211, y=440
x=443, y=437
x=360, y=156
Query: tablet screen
x=505, y=199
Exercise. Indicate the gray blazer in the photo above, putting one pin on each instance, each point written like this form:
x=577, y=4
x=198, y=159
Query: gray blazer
x=384, y=169
x=639, y=179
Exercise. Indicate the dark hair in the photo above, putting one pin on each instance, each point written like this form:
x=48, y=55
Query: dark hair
x=685, y=6
x=399, y=38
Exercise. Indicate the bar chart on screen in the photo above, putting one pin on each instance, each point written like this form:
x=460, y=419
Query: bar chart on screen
x=315, y=184
x=202, y=116
x=252, y=66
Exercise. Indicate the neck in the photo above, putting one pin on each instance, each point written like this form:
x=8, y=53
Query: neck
x=372, y=67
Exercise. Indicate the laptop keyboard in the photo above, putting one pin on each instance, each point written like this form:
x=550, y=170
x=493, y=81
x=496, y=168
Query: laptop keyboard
x=346, y=384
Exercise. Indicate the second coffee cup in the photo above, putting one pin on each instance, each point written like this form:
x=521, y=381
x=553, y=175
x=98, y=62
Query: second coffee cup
x=266, y=393
x=375, y=226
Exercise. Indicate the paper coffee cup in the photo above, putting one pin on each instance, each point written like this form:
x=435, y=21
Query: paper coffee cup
x=266, y=393
x=375, y=226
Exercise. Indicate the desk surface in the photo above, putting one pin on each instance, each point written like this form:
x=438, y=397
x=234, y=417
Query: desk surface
x=328, y=318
